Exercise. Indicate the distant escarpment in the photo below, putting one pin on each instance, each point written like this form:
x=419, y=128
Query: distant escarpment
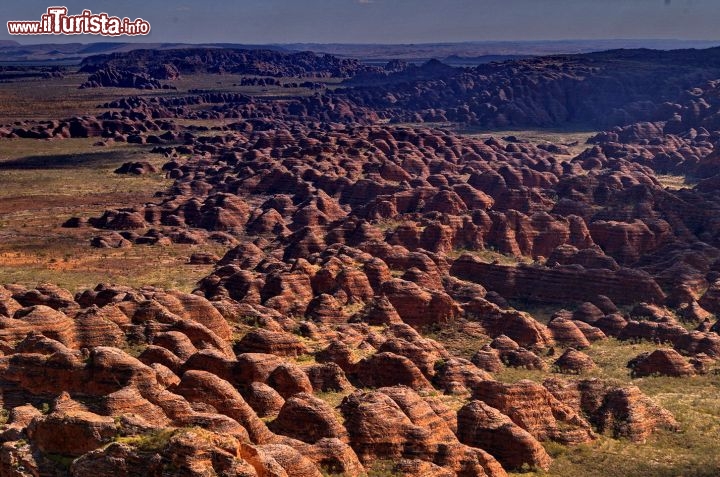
x=120, y=78
x=598, y=89
x=162, y=64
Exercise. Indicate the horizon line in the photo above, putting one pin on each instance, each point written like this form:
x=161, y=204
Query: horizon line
x=554, y=40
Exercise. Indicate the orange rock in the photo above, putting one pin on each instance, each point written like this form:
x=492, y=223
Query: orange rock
x=484, y=427
x=387, y=369
x=72, y=432
x=309, y=419
x=574, y=362
x=533, y=408
x=663, y=362
x=418, y=307
x=382, y=424
x=270, y=342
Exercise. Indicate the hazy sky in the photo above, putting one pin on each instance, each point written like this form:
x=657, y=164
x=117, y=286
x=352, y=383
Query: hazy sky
x=390, y=21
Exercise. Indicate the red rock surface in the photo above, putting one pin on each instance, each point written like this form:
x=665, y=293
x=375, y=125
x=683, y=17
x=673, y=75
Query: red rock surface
x=480, y=425
x=574, y=362
x=663, y=362
x=365, y=262
x=535, y=409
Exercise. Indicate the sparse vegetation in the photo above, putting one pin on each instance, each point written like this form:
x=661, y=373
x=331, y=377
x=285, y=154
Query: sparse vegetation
x=382, y=468
x=151, y=441
x=44, y=182
x=675, y=182
x=62, y=461
x=490, y=255
x=460, y=338
x=333, y=398
x=693, y=401
x=41, y=187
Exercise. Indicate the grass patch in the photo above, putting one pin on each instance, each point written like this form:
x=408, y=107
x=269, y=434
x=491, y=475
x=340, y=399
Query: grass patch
x=573, y=137
x=491, y=256
x=675, y=182
x=306, y=359
x=62, y=461
x=333, y=398
x=462, y=339
x=151, y=442
x=382, y=468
